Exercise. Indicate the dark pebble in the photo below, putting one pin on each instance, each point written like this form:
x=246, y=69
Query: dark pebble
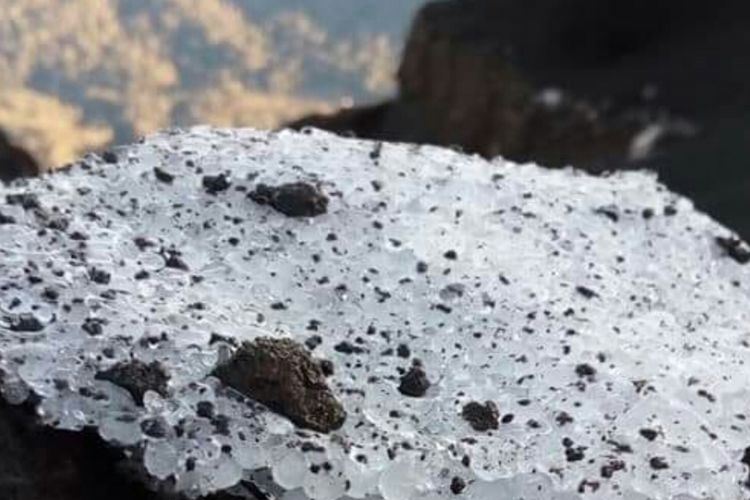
x=27, y=201
x=155, y=428
x=648, y=434
x=214, y=184
x=585, y=370
x=296, y=199
x=26, y=322
x=481, y=417
x=735, y=248
x=109, y=157
x=458, y=485
x=281, y=374
x=94, y=326
x=99, y=276
x=6, y=219
x=137, y=377
x=658, y=463
x=414, y=383
x=163, y=176
x=586, y=292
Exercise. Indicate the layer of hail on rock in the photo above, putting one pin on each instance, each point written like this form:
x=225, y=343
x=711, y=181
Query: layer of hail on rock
x=492, y=329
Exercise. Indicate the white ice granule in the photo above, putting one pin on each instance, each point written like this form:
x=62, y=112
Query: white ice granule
x=599, y=316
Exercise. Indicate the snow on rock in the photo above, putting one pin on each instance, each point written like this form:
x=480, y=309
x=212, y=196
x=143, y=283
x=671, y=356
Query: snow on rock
x=486, y=328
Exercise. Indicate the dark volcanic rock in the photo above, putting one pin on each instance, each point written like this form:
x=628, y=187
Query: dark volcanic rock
x=296, y=199
x=214, y=184
x=414, y=383
x=481, y=417
x=26, y=322
x=137, y=378
x=281, y=374
x=735, y=248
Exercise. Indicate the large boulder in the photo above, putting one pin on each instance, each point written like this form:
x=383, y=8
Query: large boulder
x=233, y=311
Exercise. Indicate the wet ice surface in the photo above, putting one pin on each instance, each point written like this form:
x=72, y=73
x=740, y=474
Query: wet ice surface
x=574, y=336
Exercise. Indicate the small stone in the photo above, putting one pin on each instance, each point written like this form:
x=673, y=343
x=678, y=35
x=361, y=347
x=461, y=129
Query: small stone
x=27, y=201
x=648, y=434
x=735, y=248
x=609, y=212
x=326, y=366
x=481, y=417
x=281, y=374
x=403, y=351
x=586, y=292
x=142, y=275
x=163, y=176
x=585, y=370
x=50, y=294
x=414, y=383
x=658, y=463
x=6, y=219
x=296, y=199
x=137, y=377
x=155, y=427
x=94, y=326
x=205, y=409
x=26, y=322
x=99, y=276
x=458, y=485
x=57, y=223
x=173, y=260
x=214, y=184
x=109, y=157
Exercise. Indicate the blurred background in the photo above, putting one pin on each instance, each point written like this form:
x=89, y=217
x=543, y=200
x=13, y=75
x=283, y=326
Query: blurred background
x=598, y=84
x=76, y=75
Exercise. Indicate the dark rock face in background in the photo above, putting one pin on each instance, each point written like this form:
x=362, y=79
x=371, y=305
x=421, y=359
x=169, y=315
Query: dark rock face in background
x=478, y=75
x=38, y=463
x=42, y=464
x=15, y=162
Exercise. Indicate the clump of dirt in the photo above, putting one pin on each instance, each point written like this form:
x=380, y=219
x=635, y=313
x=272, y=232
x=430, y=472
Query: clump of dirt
x=295, y=199
x=281, y=374
x=735, y=248
x=481, y=417
x=137, y=377
x=414, y=383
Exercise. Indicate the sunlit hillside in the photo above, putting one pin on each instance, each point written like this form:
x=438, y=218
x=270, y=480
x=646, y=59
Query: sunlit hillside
x=78, y=74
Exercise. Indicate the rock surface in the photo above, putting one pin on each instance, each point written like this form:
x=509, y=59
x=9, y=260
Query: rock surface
x=566, y=334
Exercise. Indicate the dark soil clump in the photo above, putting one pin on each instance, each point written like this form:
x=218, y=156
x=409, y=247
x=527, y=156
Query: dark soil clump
x=281, y=374
x=414, y=383
x=481, y=417
x=735, y=249
x=137, y=377
x=296, y=199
